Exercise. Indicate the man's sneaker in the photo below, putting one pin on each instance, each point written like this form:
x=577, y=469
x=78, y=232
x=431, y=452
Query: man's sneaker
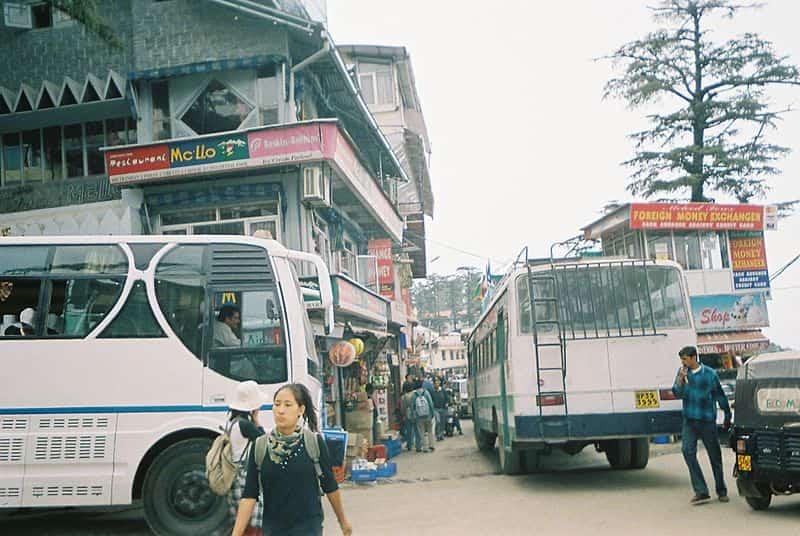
x=700, y=499
x=724, y=498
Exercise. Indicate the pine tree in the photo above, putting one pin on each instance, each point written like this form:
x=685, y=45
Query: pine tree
x=713, y=138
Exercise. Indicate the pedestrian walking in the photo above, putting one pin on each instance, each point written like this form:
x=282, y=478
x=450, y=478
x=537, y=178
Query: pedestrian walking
x=244, y=429
x=698, y=387
x=289, y=478
x=440, y=406
x=423, y=413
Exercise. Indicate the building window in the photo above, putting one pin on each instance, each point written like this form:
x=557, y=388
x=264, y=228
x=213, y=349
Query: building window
x=659, y=245
x=376, y=84
x=687, y=251
x=238, y=220
x=269, y=94
x=55, y=152
x=319, y=234
x=216, y=109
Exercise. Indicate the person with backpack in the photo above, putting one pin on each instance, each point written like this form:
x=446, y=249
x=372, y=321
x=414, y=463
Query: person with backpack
x=410, y=432
x=290, y=468
x=423, y=413
x=243, y=430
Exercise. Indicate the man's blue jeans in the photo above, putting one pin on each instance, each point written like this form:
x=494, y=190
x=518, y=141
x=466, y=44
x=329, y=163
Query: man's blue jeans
x=411, y=434
x=706, y=431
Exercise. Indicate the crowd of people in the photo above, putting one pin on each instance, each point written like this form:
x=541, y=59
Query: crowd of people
x=424, y=408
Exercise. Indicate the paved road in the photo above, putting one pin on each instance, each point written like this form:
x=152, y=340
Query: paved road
x=457, y=490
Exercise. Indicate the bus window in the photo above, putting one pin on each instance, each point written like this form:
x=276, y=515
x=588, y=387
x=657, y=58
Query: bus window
x=78, y=305
x=90, y=259
x=23, y=260
x=135, y=320
x=180, y=290
x=247, y=336
x=18, y=311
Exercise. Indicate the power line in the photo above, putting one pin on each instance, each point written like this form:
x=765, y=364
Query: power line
x=784, y=267
x=454, y=248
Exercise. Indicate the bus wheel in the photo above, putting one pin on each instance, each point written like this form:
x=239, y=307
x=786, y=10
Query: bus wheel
x=509, y=458
x=485, y=440
x=177, y=499
x=530, y=460
x=640, y=452
x=618, y=453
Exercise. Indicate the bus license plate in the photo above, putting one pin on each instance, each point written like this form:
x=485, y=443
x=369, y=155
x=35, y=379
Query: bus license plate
x=744, y=463
x=647, y=399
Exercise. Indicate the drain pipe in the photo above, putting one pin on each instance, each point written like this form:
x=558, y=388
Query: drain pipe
x=315, y=56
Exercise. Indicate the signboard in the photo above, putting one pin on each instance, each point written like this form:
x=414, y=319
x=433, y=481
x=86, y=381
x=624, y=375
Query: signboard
x=257, y=148
x=749, y=261
x=729, y=312
x=779, y=400
x=382, y=250
x=696, y=216
x=771, y=217
x=350, y=298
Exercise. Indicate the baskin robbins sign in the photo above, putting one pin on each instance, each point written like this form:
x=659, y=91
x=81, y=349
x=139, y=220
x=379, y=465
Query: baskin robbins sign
x=729, y=312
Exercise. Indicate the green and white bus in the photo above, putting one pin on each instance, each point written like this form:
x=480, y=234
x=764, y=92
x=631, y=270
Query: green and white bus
x=575, y=353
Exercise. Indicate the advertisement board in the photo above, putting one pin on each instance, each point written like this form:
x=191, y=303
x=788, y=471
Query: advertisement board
x=729, y=312
x=382, y=250
x=696, y=216
x=749, y=261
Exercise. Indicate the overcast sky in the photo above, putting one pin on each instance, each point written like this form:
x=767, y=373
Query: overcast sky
x=525, y=150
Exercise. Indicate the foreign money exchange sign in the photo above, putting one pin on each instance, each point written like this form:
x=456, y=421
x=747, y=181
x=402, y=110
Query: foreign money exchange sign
x=749, y=261
x=696, y=216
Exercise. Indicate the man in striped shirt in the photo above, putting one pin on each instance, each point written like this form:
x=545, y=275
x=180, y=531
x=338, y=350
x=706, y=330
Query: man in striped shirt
x=699, y=388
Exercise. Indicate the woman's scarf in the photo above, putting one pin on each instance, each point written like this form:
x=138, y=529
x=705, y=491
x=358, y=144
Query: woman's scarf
x=280, y=447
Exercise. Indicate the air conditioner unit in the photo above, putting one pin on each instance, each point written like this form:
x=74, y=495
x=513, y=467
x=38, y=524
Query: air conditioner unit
x=316, y=187
x=17, y=16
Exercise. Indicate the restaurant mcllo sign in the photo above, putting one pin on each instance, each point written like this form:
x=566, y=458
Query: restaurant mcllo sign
x=254, y=149
x=696, y=216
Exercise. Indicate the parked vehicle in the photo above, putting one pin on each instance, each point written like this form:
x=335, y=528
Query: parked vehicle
x=766, y=437
x=449, y=420
x=461, y=396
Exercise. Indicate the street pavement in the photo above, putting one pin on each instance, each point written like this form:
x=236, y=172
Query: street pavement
x=458, y=490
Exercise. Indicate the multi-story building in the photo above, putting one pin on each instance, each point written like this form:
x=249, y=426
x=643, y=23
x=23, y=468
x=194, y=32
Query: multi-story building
x=210, y=117
x=445, y=354
x=722, y=251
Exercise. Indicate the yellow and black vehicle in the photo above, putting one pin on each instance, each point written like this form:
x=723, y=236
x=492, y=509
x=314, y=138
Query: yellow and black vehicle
x=766, y=435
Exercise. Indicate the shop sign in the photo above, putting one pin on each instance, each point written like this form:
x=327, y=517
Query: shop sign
x=749, y=261
x=279, y=146
x=208, y=151
x=382, y=250
x=35, y=196
x=729, y=312
x=744, y=347
x=771, y=217
x=398, y=313
x=350, y=298
x=696, y=216
x=779, y=400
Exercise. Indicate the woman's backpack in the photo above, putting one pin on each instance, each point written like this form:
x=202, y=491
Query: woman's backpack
x=221, y=468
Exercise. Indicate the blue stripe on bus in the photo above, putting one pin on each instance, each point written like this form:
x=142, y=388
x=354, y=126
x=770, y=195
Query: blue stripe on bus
x=598, y=425
x=117, y=409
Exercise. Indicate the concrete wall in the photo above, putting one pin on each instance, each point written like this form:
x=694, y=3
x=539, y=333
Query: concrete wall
x=31, y=56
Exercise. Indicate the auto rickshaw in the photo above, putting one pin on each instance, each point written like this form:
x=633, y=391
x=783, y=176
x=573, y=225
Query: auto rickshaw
x=766, y=434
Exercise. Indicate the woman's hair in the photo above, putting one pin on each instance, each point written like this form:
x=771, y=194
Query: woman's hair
x=303, y=398
x=238, y=414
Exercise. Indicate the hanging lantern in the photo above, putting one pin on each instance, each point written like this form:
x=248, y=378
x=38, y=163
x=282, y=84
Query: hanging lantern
x=358, y=344
x=342, y=354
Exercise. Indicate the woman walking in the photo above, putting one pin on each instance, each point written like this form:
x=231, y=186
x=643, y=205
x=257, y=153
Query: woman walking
x=244, y=429
x=287, y=478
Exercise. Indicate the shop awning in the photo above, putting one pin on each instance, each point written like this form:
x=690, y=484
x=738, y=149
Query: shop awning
x=738, y=342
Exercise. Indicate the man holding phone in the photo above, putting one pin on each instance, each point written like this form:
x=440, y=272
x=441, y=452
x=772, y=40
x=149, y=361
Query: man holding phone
x=698, y=387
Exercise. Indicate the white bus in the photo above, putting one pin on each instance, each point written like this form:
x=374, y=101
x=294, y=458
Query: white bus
x=114, y=382
x=591, y=363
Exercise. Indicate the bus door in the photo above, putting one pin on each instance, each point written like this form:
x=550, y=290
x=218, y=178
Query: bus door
x=245, y=335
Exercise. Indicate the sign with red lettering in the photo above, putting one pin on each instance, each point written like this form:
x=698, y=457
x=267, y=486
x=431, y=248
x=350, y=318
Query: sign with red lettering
x=729, y=312
x=137, y=159
x=697, y=216
x=749, y=261
x=382, y=250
